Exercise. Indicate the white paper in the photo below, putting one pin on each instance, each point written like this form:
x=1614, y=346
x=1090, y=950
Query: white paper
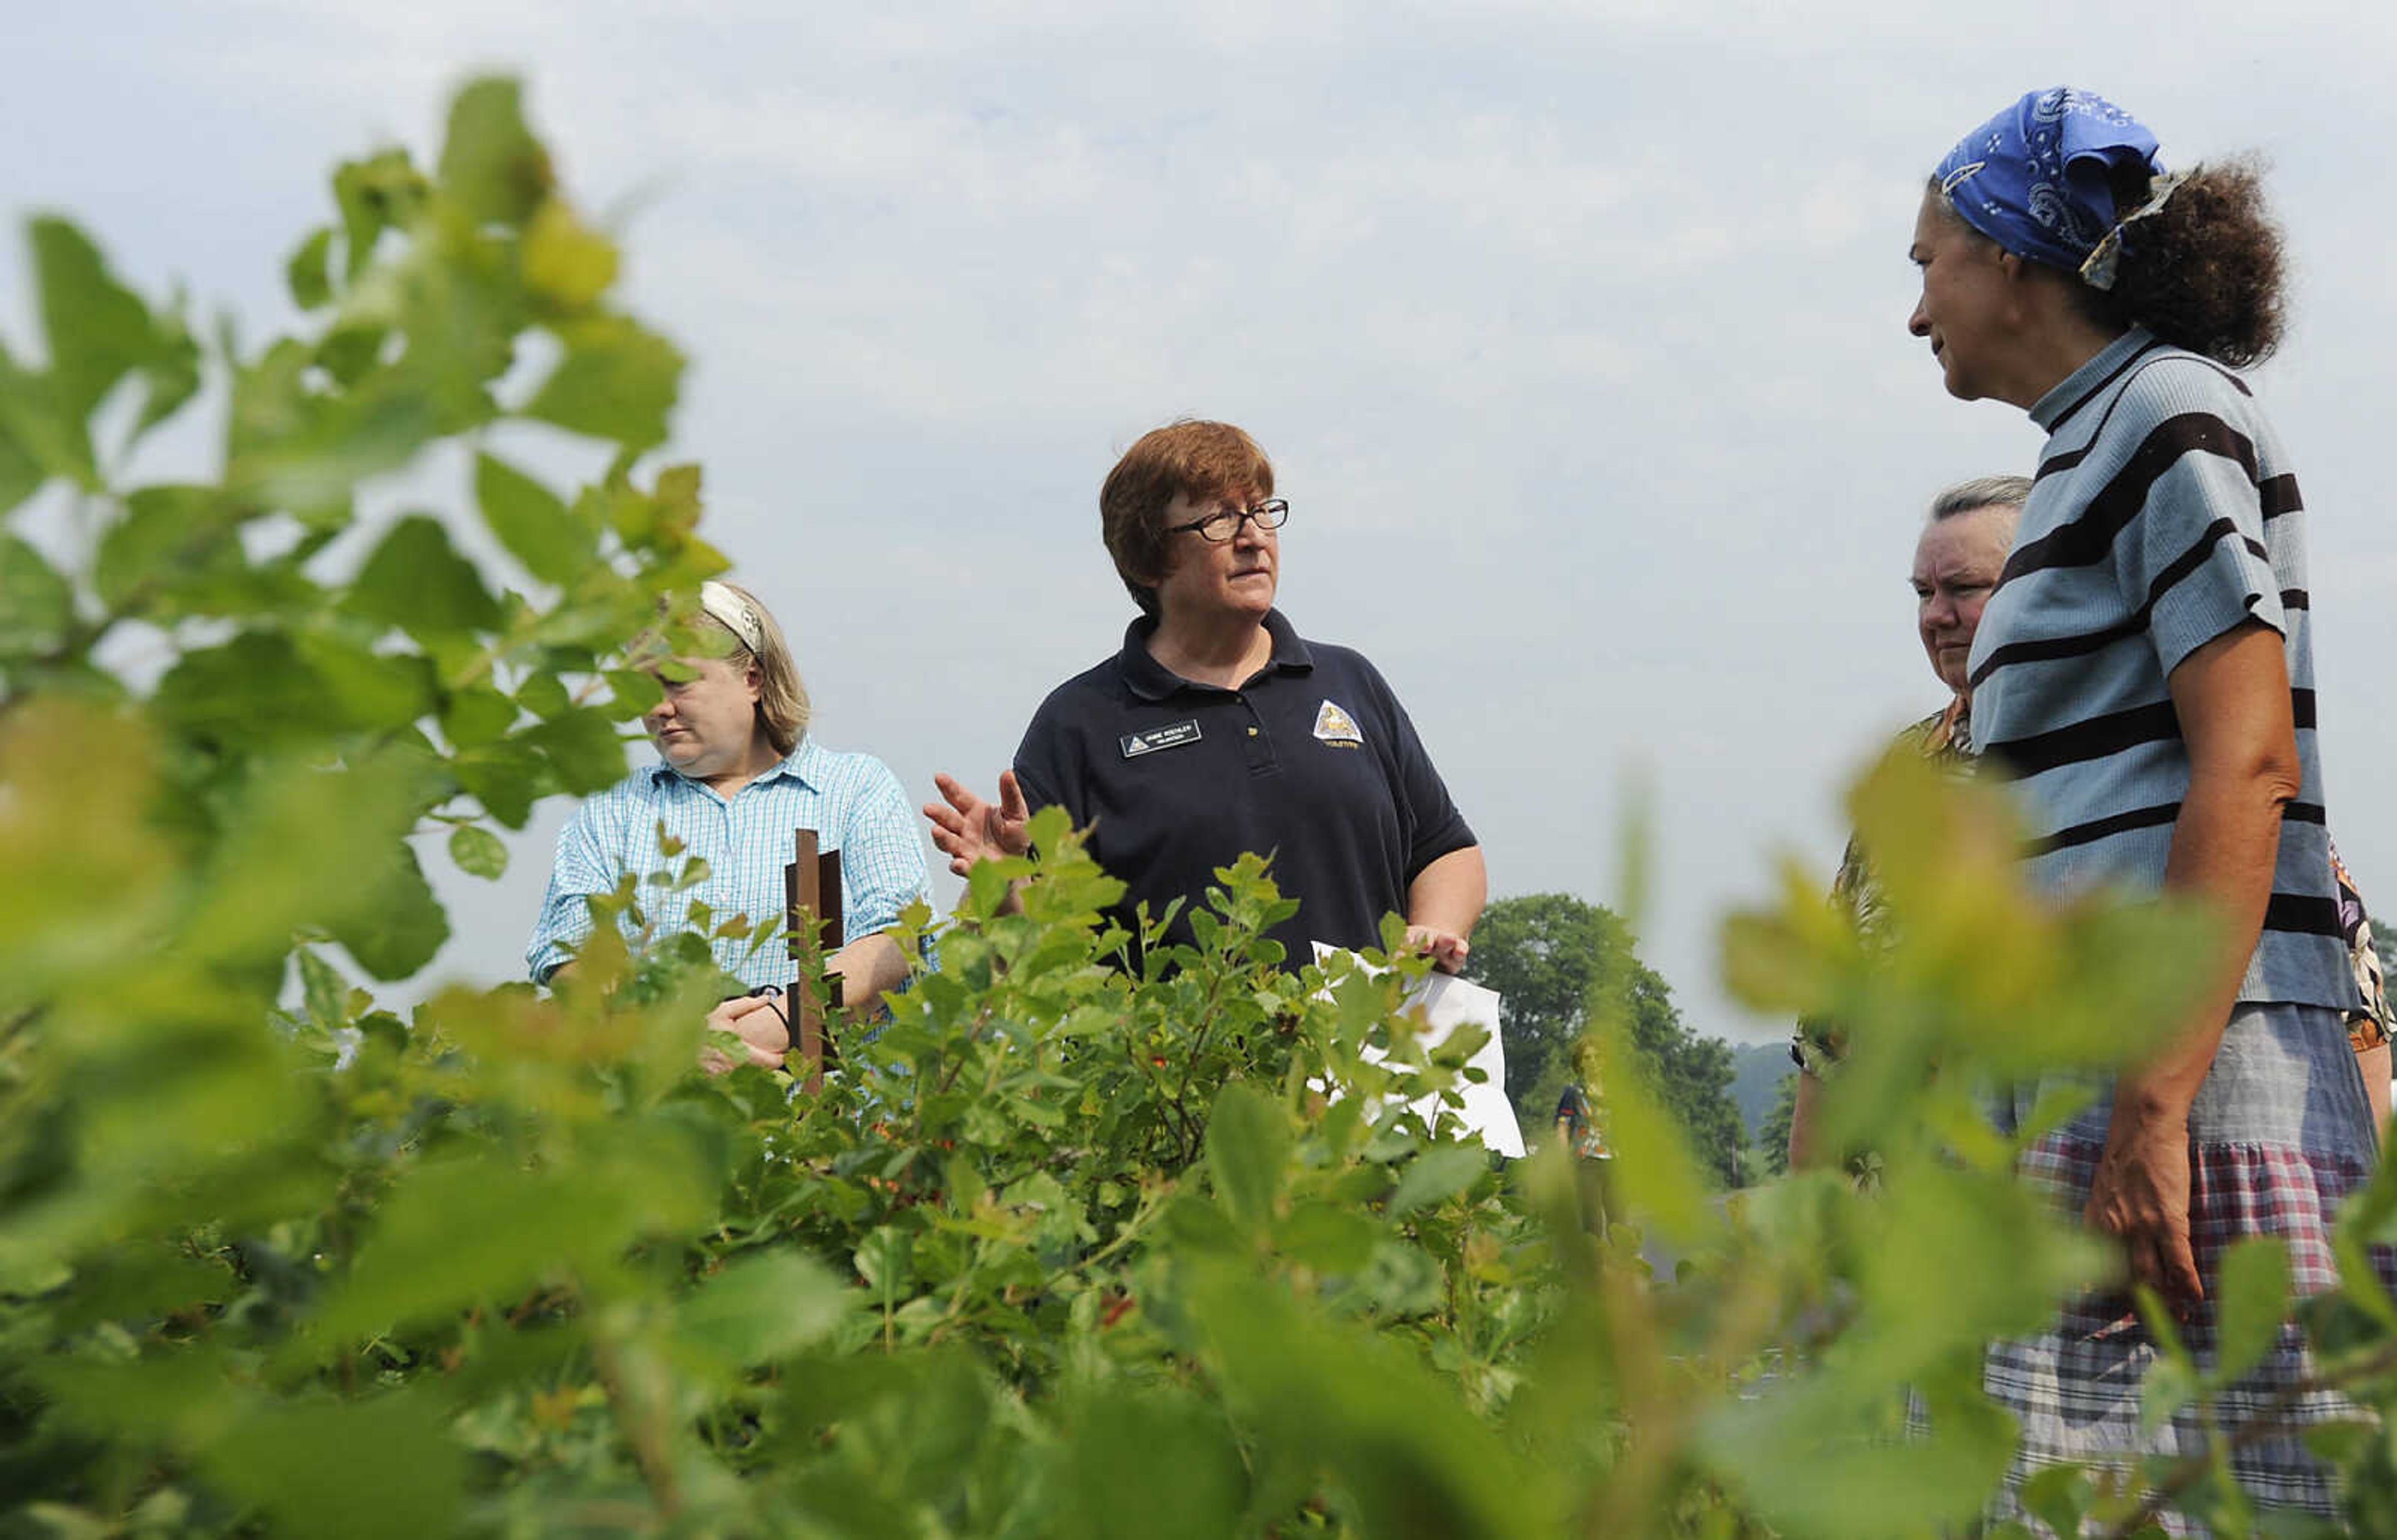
x=1448, y=1002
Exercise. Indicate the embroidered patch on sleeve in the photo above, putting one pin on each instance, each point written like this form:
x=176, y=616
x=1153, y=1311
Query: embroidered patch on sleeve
x=1335, y=727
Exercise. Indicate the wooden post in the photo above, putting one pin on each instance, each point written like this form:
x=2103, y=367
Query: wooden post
x=812, y=897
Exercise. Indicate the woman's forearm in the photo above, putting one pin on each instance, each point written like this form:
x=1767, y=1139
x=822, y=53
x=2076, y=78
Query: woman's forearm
x=2225, y=846
x=2232, y=699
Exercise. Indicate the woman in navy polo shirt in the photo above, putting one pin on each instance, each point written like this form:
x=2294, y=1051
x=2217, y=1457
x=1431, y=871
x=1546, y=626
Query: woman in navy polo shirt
x=2144, y=674
x=1216, y=730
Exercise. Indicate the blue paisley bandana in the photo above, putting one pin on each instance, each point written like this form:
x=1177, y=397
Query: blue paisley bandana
x=2035, y=177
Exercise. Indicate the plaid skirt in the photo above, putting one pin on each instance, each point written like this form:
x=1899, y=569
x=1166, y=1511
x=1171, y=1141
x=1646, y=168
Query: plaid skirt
x=2280, y=1133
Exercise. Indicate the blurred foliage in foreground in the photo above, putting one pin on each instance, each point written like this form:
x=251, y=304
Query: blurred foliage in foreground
x=1062, y=1251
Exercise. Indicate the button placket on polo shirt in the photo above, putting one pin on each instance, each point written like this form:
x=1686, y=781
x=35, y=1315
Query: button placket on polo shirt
x=1256, y=742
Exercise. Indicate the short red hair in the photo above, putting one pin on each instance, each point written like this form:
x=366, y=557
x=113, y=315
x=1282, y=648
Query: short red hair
x=1190, y=459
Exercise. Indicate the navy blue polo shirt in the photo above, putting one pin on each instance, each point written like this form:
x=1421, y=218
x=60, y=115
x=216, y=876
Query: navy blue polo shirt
x=1312, y=761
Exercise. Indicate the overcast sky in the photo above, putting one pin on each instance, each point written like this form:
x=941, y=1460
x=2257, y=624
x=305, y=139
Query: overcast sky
x=1577, y=333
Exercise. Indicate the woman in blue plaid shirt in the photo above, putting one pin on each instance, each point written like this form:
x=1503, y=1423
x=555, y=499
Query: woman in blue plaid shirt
x=737, y=774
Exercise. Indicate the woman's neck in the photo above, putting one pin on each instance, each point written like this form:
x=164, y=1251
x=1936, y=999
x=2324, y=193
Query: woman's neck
x=761, y=757
x=1226, y=652
x=2054, y=346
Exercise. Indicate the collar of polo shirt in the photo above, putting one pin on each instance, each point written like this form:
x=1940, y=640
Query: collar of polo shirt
x=1151, y=680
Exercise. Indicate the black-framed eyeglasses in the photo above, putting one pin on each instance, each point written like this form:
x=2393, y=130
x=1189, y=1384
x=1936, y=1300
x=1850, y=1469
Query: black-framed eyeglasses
x=1224, y=523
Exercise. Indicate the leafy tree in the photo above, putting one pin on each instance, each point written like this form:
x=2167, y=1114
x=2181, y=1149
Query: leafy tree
x=1556, y=958
x=1773, y=1135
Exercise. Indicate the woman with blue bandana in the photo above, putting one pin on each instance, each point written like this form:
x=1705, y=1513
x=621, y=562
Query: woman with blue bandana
x=2144, y=674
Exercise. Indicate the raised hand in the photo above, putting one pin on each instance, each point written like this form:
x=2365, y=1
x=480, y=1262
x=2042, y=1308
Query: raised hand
x=967, y=829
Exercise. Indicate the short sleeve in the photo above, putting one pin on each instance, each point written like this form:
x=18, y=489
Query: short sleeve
x=583, y=869
x=1039, y=769
x=2198, y=565
x=882, y=867
x=1435, y=826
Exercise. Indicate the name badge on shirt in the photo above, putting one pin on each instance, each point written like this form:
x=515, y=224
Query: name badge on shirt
x=1158, y=739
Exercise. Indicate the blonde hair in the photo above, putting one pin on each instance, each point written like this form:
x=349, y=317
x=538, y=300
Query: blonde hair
x=783, y=705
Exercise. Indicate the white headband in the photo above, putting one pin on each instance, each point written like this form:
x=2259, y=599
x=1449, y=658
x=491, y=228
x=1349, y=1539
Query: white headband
x=739, y=616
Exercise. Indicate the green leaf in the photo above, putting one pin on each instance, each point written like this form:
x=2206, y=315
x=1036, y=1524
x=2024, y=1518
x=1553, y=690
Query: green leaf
x=402, y=925
x=383, y=1468
x=171, y=375
x=1653, y=1170
x=2251, y=1304
x=170, y=536
x=308, y=270
x=1329, y=1238
x=1439, y=1173
x=99, y=330
x=533, y=523
x=375, y=690
x=374, y=195
x=2057, y=1497
x=307, y=847
x=20, y=473
x=305, y=453
x=1813, y=1461
x=617, y=382
x=504, y=777
x=582, y=748
x=42, y=432
x=1153, y=1464
x=764, y=1308
x=476, y=1229
x=1326, y=1404
x=2170, y=1384
x=490, y=163
x=2340, y=1443
x=323, y=989
x=36, y=605
x=417, y=582
x=564, y=260
x=636, y=692
x=1248, y=1138
x=543, y=694
x=255, y=691
x=478, y=852
x=885, y=1260
x=475, y=716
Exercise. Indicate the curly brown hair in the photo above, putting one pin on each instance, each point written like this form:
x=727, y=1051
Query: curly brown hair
x=2204, y=271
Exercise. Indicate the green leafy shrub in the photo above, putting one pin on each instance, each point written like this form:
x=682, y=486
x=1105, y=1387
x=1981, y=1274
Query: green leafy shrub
x=1058, y=1249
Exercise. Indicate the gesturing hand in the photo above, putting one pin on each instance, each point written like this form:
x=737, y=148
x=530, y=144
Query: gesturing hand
x=967, y=829
x=2140, y=1196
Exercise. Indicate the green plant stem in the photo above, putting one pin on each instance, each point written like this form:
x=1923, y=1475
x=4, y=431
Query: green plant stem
x=643, y=1430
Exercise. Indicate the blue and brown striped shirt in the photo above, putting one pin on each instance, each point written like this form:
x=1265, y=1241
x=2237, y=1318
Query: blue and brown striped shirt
x=2165, y=514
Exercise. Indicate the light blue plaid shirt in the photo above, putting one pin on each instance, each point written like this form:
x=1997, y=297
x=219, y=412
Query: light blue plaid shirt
x=851, y=800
